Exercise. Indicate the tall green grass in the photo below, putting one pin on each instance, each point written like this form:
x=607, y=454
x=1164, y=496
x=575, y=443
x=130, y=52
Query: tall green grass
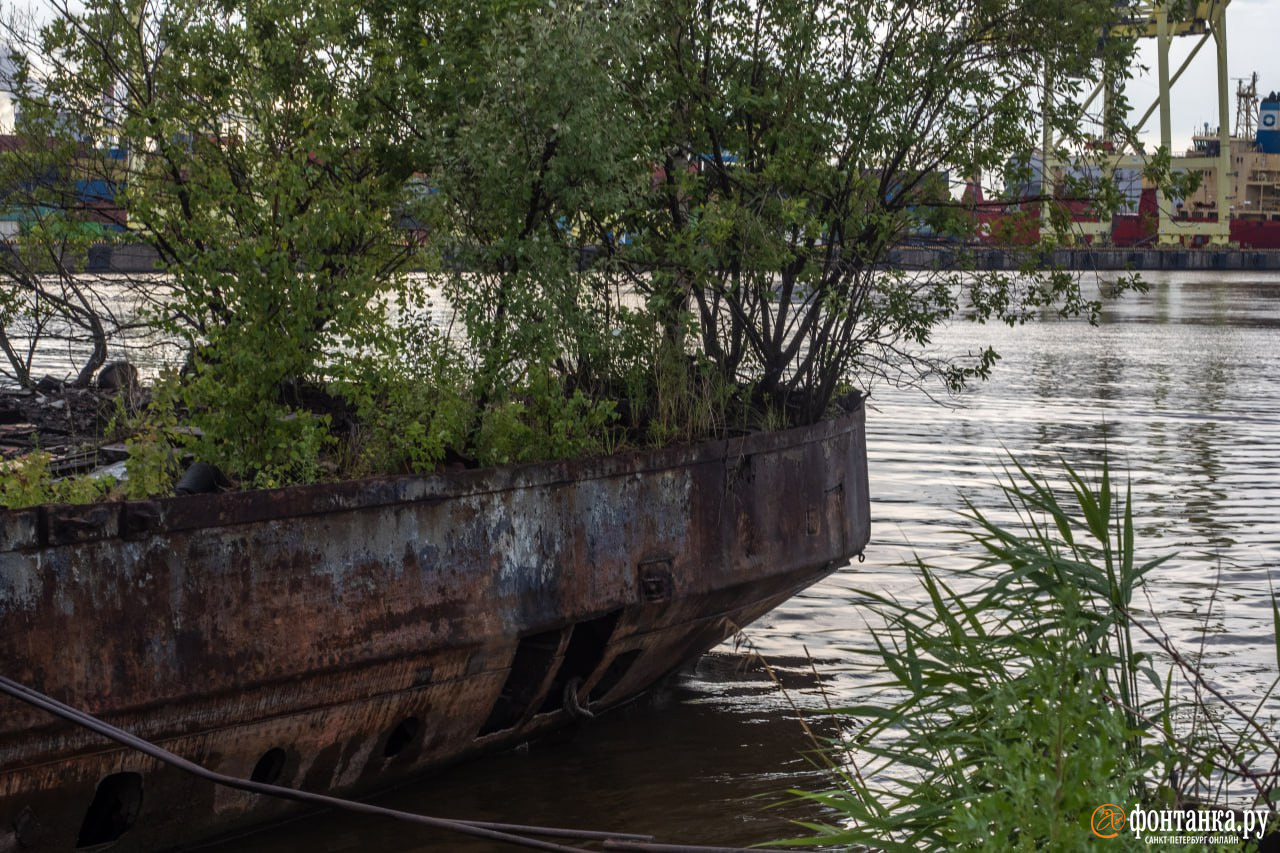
x=1018, y=695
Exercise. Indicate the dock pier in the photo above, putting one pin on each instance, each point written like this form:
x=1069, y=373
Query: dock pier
x=1083, y=258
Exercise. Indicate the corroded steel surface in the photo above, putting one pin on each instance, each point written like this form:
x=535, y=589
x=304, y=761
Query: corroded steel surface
x=339, y=638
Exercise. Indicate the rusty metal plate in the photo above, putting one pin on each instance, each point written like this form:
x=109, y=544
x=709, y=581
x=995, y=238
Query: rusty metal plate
x=346, y=636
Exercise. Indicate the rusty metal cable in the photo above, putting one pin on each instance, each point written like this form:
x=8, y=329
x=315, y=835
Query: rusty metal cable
x=653, y=847
x=509, y=833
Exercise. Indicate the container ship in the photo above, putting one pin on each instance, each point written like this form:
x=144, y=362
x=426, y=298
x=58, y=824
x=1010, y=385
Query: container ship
x=1253, y=192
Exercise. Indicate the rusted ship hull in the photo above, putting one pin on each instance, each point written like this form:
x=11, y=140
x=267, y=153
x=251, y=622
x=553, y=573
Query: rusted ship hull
x=341, y=638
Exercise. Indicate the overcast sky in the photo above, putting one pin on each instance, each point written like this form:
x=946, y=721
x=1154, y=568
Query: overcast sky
x=1253, y=27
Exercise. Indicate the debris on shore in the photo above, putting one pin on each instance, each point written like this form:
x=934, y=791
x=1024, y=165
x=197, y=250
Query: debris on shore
x=71, y=424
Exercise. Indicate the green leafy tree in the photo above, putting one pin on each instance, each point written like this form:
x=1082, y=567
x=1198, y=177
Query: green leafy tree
x=537, y=153
x=800, y=143
x=673, y=216
x=259, y=170
x=45, y=297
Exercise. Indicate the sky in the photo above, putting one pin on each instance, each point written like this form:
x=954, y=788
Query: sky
x=1253, y=44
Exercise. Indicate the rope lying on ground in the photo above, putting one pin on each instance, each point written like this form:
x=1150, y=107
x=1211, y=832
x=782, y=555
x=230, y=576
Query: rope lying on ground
x=509, y=833
x=653, y=847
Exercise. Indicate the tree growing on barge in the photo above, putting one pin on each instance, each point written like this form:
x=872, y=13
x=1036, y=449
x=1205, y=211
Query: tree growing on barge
x=656, y=220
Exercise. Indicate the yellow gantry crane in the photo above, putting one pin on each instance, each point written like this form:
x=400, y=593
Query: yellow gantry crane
x=1164, y=21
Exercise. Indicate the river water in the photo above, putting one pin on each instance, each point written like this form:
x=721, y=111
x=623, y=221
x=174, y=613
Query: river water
x=1182, y=384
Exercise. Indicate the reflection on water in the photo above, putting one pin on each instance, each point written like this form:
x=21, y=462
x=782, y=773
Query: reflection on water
x=1181, y=384
x=123, y=303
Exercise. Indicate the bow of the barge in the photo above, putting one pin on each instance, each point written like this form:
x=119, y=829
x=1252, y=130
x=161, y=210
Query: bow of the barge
x=341, y=638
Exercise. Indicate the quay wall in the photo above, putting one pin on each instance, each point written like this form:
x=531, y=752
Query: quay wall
x=1148, y=258
x=140, y=258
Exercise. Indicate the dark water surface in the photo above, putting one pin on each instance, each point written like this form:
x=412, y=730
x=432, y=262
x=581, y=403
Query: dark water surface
x=1182, y=384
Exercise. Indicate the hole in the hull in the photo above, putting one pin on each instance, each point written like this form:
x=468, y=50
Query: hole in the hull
x=657, y=583
x=618, y=669
x=528, y=669
x=423, y=676
x=27, y=829
x=113, y=811
x=401, y=736
x=586, y=650
x=269, y=768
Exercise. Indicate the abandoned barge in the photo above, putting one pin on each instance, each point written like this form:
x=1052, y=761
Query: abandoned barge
x=343, y=637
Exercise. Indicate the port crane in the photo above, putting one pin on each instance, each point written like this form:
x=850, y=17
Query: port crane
x=1164, y=21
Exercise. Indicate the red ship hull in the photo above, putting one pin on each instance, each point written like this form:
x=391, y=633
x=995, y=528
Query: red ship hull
x=1019, y=225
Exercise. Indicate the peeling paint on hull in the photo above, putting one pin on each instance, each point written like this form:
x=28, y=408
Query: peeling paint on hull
x=341, y=638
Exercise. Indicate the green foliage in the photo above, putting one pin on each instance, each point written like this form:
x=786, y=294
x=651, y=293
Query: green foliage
x=247, y=434
x=1010, y=704
x=690, y=399
x=800, y=140
x=411, y=402
x=542, y=156
x=667, y=217
x=259, y=170
x=154, y=443
x=28, y=481
x=1176, y=183
x=540, y=422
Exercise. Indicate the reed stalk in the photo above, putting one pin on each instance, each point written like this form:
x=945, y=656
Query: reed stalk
x=1022, y=692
